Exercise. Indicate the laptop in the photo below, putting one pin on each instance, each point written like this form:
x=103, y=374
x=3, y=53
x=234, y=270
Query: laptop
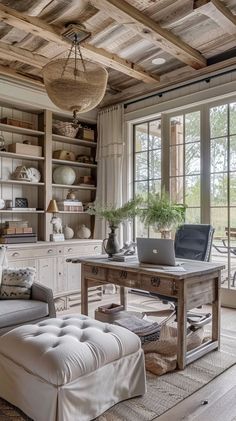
x=156, y=251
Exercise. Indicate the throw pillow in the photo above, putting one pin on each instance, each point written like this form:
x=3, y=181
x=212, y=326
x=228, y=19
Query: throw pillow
x=17, y=282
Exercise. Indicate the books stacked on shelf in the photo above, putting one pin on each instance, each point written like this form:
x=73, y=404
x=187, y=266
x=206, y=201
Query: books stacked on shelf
x=147, y=330
x=70, y=205
x=13, y=232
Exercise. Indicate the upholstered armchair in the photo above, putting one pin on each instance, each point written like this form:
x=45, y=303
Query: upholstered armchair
x=16, y=312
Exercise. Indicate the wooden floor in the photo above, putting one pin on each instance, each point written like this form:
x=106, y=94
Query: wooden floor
x=214, y=402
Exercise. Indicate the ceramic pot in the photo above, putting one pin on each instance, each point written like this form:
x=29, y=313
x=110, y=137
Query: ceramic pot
x=83, y=232
x=68, y=232
x=64, y=175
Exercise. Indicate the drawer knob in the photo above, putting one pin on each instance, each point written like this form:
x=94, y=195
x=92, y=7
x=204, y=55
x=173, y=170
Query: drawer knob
x=123, y=274
x=94, y=270
x=155, y=281
x=50, y=250
x=70, y=249
x=15, y=254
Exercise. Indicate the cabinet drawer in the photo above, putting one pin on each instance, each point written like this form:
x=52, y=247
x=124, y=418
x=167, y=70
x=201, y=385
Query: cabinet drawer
x=83, y=249
x=31, y=252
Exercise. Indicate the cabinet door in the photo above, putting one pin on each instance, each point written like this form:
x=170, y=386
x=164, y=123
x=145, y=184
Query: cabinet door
x=24, y=263
x=61, y=279
x=47, y=272
x=73, y=271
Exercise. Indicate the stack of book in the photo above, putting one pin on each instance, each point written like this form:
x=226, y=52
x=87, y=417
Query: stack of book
x=70, y=205
x=147, y=330
x=14, y=232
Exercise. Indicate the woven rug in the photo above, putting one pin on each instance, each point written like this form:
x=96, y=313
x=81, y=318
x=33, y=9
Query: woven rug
x=162, y=392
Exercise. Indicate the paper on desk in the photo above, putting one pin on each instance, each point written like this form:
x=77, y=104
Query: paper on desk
x=163, y=268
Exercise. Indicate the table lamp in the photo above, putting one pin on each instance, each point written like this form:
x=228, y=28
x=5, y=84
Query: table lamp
x=57, y=234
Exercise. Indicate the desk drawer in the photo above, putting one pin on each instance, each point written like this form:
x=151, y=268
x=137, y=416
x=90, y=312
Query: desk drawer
x=124, y=278
x=95, y=272
x=159, y=285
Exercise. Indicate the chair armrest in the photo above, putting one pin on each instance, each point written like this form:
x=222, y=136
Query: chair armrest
x=42, y=293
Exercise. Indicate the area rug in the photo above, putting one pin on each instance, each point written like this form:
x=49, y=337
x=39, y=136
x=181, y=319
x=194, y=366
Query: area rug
x=162, y=392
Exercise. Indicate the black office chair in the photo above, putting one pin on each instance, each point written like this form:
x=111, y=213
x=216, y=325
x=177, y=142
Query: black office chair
x=192, y=242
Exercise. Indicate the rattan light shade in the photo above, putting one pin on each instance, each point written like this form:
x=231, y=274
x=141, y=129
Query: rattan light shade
x=73, y=89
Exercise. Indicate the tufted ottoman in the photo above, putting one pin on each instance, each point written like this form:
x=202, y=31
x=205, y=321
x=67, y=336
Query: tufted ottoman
x=72, y=368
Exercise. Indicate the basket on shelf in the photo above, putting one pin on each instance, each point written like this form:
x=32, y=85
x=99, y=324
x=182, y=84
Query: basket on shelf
x=64, y=128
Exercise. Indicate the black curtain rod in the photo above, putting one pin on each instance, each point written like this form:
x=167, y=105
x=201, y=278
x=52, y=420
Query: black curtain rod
x=205, y=79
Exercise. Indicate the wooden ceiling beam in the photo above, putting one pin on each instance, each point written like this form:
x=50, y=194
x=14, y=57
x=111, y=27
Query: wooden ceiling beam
x=218, y=12
x=51, y=33
x=7, y=71
x=147, y=28
x=12, y=53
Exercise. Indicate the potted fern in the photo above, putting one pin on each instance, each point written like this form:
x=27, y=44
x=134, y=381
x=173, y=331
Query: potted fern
x=115, y=216
x=161, y=214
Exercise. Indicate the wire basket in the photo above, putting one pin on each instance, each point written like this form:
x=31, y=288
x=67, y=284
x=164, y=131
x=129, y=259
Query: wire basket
x=64, y=128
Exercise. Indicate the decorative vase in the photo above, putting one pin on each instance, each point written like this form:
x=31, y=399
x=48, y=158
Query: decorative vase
x=68, y=232
x=71, y=195
x=83, y=232
x=112, y=246
x=64, y=175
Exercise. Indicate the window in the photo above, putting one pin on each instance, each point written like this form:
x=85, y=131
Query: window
x=147, y=163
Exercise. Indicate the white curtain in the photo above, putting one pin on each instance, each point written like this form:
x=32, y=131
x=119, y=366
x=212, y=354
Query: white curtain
x=110, y=159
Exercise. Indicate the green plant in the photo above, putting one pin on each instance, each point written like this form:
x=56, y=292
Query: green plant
x=161, y=213
x=114, y=215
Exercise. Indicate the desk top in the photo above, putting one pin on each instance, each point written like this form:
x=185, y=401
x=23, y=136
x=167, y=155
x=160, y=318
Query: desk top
x=192, y=267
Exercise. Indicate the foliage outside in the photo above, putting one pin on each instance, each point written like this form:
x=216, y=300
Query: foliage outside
x=161, y=213
x=114, y=216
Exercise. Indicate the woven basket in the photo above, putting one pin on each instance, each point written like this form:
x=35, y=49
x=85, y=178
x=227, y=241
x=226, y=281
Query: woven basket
x=64, y=128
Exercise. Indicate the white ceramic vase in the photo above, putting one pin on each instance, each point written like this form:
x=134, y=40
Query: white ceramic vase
x=64, y=175
x=68, y=232
x=83, y=232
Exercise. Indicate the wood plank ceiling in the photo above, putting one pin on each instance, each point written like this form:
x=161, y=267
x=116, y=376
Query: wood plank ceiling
x=191, y=37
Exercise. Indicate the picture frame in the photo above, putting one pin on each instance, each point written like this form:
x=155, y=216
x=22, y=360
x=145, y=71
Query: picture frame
x=21, y=202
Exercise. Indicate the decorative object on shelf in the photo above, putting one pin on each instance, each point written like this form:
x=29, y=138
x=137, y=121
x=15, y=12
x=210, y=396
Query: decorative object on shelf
x=64, y=128
x=115, y=216
x=86, y=133
x=85, y=158
x=87, y=179
x=57, y=234
x=71, y=195
x=68, y=232
x=64, y=175
x=17, y=123
x=2, y=144
x=74, y=84
x=161, y=214
x=83, y=232
x=2, y=203
x=25, y=149
x=8, y=203
x=64, y=155
x=21, y=202
x=26, y=174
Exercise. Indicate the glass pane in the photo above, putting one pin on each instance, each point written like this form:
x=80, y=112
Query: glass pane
x=177, y=160
x=232, y=178
x=141, y=188
x=192, y=216
x=192, y=190
x=219, y=189
x=176, y=189
x=155, y=164
x=219, y=160
x=232, y=153
x=155, y=186
x=176, y=130
x=192, y=158
x=155, y=134
x=141, y=137
x=218, y=121
x=219, y=220
x=141, y=166
x=233, y=223
x=140, y=230
x=192, y=127
x=232, y=118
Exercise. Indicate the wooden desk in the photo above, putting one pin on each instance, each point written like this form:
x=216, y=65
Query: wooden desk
x=199, y=285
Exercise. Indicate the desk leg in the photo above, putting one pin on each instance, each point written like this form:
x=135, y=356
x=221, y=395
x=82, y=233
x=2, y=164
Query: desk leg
x=181, y=327
x=84, y=293
x=216, y=305
x=124, y=297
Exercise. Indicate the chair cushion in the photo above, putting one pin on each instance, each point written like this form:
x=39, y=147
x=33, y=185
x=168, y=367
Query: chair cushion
x=15, y=312
x=17, y=282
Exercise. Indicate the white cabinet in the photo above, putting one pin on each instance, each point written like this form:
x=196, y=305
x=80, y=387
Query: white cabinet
x=52, y=268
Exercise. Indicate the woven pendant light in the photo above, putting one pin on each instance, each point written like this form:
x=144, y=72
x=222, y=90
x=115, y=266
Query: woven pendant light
x=75, y=84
